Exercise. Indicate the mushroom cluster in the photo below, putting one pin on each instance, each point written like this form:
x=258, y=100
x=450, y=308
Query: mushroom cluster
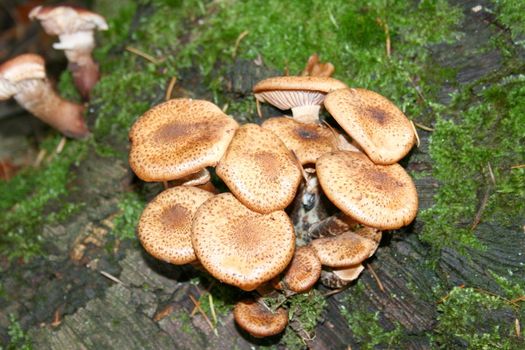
x=245, y=237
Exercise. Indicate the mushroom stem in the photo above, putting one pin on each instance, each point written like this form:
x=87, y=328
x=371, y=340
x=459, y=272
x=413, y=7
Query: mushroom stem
x=306, y=114
x=39, y=98
x=81, y=64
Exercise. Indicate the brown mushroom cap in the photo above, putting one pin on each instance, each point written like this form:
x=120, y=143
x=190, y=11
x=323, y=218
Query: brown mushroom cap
x=258, y=320
x=343, y=250
x=307, y=141
x=381, y=196
x=164, y=228
x=24, y=78
x=304, y=270
x=58, y=20
x=375, y=123
x=178, y=138
x=303, y=94
x=299, y=83
x=259, y=170
x=239, y=246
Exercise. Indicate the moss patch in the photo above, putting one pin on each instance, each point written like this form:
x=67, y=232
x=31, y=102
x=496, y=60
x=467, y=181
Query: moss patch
x=475, y=156
x=25, y=198
x=477, y=320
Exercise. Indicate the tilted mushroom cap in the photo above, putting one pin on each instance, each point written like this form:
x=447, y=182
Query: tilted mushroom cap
x=259, y=170
x=18, y=69
x=343, y=250
x=304, y=270
x=340, y=277
x=258, y=320
x=58, y=20
x=381, y=196
x=178, y=138
x=165, y=225
x=371, y=233
x=375, y=123
x=349, y=273
x=239, y=246
x=307, y=141
x=299, y=93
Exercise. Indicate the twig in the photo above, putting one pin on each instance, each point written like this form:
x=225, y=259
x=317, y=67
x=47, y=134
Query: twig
x=484, y=201
x=388, y=46
x=201, y=311
x=238, y=42
x=111, y=277
x=418, y=141
x=517, y=328
x=423, y=127
x=57, y=318
x=376, y=277
x=212, y=309
x=61, y=145
x=336, y=291
x=39, y=158
x=518, y=166
x=491, y=174
x=225, y=107
x=258, y=106
x=169, y=90
x=144, y=55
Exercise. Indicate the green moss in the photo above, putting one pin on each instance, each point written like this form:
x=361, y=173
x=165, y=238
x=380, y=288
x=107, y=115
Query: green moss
x=223, y=298
x=487, y=134
x=66, y=87
x=365, y=326
x=131, y=206
x=473, y=319
x=26, y=197
x=185, y=320
x=131, y=84
x=511, y=13
x=18, y=339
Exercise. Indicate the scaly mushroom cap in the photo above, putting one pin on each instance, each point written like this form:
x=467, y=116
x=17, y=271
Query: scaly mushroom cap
x=178, y=138
x=164, y=228
x=58, y=20
x=17, y=69
x=259, y=170
x=307, y=141
x=239, y=246
x=304, y=270
x=303, y=94
x=381, y=196
x=343, y=250
x=258, y=320
x=372, y=234
x=375, y=123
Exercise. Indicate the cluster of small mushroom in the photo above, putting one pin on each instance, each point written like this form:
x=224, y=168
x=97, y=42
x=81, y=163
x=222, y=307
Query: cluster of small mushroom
x=24, y=77
x=245, y=238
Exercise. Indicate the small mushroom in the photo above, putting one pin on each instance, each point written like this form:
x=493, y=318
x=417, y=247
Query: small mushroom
x=343, y=250
x=307, y=141
x=164, y=228
x=24, y=79
x=259, y=170
x=375, y=123
x=239, y=246
x=179, y=138
x=303, y=272
x=315, y=68
x=75, y=28
x=340, y=277
x=380, y=196
x=258, y=319
x=303, y=95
